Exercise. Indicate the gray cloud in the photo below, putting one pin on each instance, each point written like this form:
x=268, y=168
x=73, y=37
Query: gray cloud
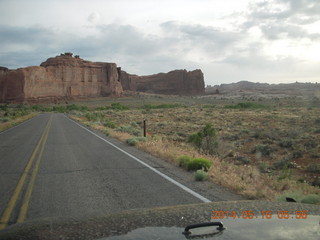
x=284, y=18
x=222, y=54
x=22, y=35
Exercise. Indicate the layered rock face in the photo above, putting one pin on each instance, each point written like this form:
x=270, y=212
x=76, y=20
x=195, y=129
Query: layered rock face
x=63, y=76
x=179, y=82
x=128, y=81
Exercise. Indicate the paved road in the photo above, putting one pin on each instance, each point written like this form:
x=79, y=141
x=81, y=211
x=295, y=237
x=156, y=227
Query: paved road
x=53, y=167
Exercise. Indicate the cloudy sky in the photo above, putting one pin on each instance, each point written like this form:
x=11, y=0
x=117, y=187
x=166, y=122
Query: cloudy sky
x=229, y=40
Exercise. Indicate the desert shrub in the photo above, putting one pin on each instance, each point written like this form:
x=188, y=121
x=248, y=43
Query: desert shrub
x=283, y=163
x=161, y=106
x=316, y=182
x=109, y=124
x=200, y=175
x=263, y=167
x=4, y=107
x=134, y=141
x=131, y=129
x=313, y=168
x=209, y=106
x=205, y=140
x=286, y=144
x=199, y=163
x=317, y=121
x=297, y=154
x=265, y=150
x=310, y=144
x=94, y=116
x=311, y=199
x=183, y=161
x=4, y=119
x=246, y=105
x=60, y=109
x=243, y=160
x=301, y=197
x=119, y=106
x=74, y=107
x=40, y=108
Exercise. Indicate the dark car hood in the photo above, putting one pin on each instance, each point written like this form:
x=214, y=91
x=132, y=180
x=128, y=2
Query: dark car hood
x=169, y=223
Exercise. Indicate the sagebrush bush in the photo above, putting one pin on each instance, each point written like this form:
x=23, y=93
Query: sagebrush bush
x=74, y=107
x=183, y=161
x=119, y=106
x=134, y=141
x=283, y=163
x=313, y=167
x=132, y=129
x=265, y=150
x=247, y=105
x=205, y=140
x=94, y=116
x=199, y=163
x=109, y=124
x=301, y=197
x=200, y=175
x=243, y=160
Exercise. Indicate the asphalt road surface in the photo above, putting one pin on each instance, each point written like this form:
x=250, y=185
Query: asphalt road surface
x=53, y=167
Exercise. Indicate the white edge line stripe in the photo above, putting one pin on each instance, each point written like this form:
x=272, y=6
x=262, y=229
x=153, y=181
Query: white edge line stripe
x=197, y=195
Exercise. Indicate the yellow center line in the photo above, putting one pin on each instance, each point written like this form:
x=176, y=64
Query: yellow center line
x=13, y=200
x=27, y=196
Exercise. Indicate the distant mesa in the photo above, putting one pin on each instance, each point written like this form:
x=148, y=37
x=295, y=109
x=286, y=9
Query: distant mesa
x=67, y=76
x=177, y=82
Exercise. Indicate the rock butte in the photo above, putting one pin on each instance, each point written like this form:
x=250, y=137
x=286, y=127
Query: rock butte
x=68, y=77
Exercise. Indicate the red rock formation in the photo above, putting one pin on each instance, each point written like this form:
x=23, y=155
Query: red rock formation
x=178, y=82
x=128, y=81
x=60, y=77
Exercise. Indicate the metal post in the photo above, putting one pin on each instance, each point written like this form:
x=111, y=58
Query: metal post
x=144, y=128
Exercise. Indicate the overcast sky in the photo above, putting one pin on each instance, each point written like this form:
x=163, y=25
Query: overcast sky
x=229, y=40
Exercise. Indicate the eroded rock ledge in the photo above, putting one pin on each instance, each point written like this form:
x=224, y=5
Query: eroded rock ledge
x=67, y=76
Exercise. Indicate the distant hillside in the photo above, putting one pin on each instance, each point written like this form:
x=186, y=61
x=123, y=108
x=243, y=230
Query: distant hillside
x=264, y=88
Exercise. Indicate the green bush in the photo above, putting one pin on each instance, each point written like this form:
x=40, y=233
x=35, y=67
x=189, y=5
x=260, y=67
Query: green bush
x=246, y=105
x=301, y=197
x=40, y=108
x=132, y=129
x=200, y=175
x=74, y=107
x=265, y=150
x=205, y=140
x=159, y=106
x=134, y=141
x=4, y=107
x=183, y=161
x=313, y=168
x=4, y=119
x=94, y=116
x=263, y=167
x=119, y=106
x=286, y=144
x=243, y=160
x=60, y=109
x=199, y=163
x=109, y=124
x=311, y=199
x=283, y=163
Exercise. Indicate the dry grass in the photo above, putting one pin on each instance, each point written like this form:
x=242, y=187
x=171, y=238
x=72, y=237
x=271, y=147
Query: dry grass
x=287, y=132
x=16, y=121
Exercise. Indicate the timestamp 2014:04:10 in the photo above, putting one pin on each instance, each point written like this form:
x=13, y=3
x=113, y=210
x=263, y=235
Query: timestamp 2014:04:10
x=249, y=214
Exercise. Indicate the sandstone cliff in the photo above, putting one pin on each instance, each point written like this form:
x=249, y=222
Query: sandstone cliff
x=180, y=82
x=63, y=76
x=128, y=81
